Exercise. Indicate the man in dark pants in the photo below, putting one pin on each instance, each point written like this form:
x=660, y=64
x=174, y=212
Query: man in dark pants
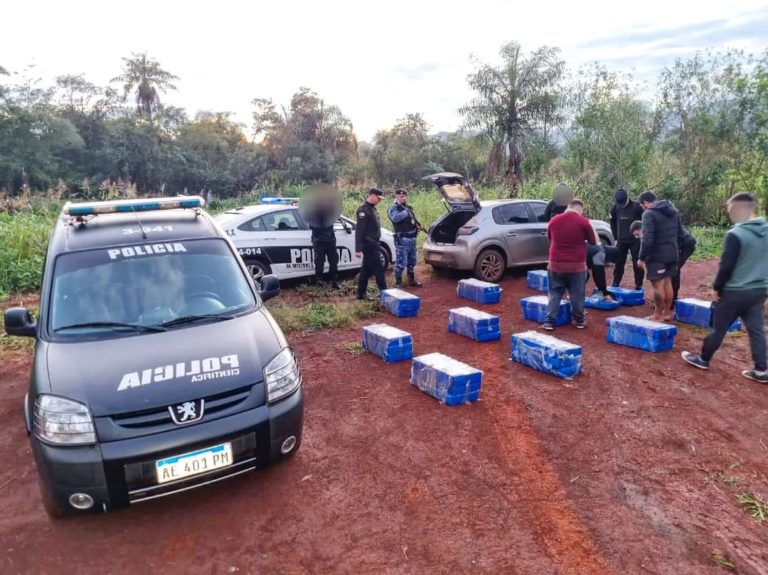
x=741, y=286
x=407, y=228
x=367, y=237
x=597, y=256
x=324, y=243
x=568, y=233
x=623, y=212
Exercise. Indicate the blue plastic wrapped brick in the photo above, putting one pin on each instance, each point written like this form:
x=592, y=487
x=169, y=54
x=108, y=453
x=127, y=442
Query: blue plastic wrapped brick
x=630, y=297
x=641, y=333
x=473, y=323
x=599, y=302
x=479, y=291
x=547, y=354
x=389, y=343
x=698, y=312
x=535, y=309
x=447, y=380
x=538, y=280
x=400, y=303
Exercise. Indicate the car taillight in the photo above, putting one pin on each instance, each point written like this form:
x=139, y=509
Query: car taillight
x=466, y=230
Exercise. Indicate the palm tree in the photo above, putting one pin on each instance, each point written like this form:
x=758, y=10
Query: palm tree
x=512, y=102
x=147, y=78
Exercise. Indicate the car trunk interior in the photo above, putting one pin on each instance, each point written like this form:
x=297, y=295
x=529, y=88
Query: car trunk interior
x=444, y=231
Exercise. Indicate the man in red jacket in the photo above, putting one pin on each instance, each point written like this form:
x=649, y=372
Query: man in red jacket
x=568, y=233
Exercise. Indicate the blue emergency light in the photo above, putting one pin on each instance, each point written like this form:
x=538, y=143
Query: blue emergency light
x=128, y=206
x=273, y=200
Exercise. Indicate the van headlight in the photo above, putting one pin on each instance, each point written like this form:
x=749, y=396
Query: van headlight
x=282, y=375
x=63, y=421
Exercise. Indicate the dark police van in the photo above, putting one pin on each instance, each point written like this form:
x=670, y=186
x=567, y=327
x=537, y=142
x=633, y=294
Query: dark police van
x=157, y=367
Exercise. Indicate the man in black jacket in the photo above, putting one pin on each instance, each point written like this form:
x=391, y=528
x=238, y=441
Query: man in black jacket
x=367, y=237
x=659, y=250
x=320, y=209
x=561, y=197
x=623, y=212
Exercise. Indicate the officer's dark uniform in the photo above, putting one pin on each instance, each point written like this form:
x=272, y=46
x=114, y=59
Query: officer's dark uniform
x=367, y=237
x=324, y=242
x=406, y=228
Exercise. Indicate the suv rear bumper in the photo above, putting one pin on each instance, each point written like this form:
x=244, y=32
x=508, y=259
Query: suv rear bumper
x=117, y=473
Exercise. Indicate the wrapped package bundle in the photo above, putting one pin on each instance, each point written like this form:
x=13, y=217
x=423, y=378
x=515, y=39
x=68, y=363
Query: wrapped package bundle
x=449, y=381
x=641, y=333
x=546, y=354
x=389, y=343
x=400, y=303
x=479, y=291
x=535, y=309
x=538, y=280
x=698, y=312
x=630, y=297
x=473, y=323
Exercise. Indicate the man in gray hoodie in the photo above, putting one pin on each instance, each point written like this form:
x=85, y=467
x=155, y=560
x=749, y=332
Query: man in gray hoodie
x=740, y=287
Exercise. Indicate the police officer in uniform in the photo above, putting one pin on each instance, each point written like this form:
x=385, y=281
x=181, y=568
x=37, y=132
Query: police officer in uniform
x=367, y=237
x=406, y=229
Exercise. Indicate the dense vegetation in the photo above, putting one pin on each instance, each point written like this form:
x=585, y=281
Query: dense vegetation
x=698, y=137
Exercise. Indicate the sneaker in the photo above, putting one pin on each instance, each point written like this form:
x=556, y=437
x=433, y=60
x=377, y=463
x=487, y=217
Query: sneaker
x=695, y=360
x=548, y=326
x=754, y=375
x=581, y=324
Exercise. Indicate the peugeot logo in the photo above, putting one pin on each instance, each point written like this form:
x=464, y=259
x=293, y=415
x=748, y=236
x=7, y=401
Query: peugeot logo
x=187, y=412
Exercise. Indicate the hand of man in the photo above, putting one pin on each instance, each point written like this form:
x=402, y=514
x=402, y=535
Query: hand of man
x=359, y=254
x=641, y=264
x=715, y=295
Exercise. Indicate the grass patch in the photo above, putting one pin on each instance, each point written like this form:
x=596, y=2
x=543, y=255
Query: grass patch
x=755, y=506
x=317, y=316
x=723, y=561
x=709, y=242
x=353, y=347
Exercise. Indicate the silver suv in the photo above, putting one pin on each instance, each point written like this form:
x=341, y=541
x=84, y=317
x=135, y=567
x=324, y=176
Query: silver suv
x=489, y=237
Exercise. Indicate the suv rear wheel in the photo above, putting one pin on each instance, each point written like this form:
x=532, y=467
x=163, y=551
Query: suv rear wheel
x=490, y=265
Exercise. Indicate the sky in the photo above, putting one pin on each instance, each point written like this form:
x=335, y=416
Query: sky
x=377, y=61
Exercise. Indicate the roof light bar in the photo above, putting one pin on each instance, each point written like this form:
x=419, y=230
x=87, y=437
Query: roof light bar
x=271, y=200
x=128, y=206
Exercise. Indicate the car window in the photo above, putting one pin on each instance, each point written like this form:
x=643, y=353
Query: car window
x=254, y=225
x=281, y=221
x=121, y=285
x=538, y=210
x=511, y=214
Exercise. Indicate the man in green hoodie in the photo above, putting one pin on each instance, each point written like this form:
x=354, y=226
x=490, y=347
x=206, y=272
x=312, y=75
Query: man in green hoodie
x=741, y=286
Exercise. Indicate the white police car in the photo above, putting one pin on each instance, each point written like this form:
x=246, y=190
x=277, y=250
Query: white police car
x=273, y=238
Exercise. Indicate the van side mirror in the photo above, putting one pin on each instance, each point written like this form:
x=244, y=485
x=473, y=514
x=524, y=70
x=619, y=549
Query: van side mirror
x=20, y=321
x=270, y=287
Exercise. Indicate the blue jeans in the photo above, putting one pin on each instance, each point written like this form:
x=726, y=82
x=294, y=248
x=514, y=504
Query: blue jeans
x=405, y=255
x=575, y=284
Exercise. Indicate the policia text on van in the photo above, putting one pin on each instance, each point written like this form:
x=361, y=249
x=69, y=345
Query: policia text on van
x=156, y=368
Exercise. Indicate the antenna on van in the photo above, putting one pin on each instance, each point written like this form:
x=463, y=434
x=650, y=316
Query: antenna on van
x=141, y=227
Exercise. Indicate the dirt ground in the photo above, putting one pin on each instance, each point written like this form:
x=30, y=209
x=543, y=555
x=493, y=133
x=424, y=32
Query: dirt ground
x=633, y=467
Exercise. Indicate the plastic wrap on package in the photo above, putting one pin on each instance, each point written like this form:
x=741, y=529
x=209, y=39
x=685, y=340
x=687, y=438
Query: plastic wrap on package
x=473, y=323
x=538, y=280
x=599, y=302
x=546, y=354
x=698, y=312
x=629, y=297
x=479, y=291
x=449, y=381
x=535, y=309
x=400, y=303
x=389, y=343
x=641, y=333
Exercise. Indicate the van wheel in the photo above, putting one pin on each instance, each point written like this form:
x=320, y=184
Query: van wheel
x=258, y=270
x=490, y=265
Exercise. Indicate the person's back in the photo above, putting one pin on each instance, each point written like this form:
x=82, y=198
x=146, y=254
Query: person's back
x=661, y=230
x=751, y=269
x=568, y=233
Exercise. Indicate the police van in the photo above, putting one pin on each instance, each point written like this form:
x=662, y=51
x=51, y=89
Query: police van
x=157, y=367
x=273, y=238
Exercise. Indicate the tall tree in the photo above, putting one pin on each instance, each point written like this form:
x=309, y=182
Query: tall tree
x=512, y=102
x=145, y=76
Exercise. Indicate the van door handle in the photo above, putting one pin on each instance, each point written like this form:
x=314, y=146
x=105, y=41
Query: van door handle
x=511, y=234
x=542, y=233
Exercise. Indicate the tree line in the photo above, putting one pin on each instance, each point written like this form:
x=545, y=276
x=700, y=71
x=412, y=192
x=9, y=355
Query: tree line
x=696, y=137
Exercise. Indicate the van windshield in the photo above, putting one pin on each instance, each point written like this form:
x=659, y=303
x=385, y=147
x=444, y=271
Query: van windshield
x=146, y=287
